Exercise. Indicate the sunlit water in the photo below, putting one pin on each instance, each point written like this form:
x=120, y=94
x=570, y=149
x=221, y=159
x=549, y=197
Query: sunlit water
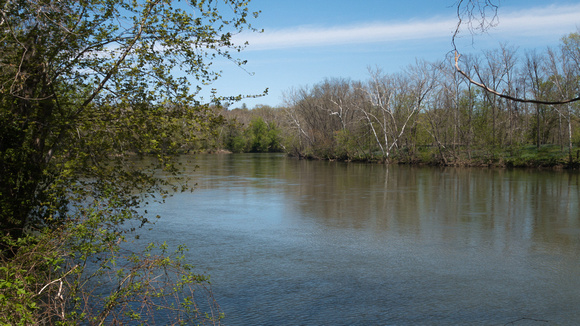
x=290, y=242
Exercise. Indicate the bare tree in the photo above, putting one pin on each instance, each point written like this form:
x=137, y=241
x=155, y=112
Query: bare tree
x=564, y=76
x=395, y=100
x=491, y=90
x=533, y=73
x=322, y=113
x=478, y=16
x=292, y=110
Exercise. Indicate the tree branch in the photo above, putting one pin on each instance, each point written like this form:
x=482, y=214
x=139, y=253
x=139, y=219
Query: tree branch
x=121, y=58
x=508, y=97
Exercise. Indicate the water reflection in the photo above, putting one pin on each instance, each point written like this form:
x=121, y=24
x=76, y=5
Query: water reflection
x=302, y=242
x=530, y=204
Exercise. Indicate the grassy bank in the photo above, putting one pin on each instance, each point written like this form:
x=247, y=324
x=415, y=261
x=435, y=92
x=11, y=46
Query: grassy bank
x=527, y=156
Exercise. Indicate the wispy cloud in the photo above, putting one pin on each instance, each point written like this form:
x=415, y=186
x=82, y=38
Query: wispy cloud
x=554, y=20
x=540, y=20
x=308, y=36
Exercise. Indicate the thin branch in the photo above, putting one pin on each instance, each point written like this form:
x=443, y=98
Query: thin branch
x=508, y=97
x=120, y=60
x=467, y=10
x=59, y=295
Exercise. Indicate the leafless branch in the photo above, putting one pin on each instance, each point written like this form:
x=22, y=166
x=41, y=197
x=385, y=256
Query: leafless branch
x=482, y=85
x=477, y=15
x=59, y=295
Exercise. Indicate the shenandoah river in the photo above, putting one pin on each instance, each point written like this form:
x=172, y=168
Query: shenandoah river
x=294, y=242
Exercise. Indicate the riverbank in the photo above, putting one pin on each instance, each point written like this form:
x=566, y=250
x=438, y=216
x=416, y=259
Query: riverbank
x=529, y=156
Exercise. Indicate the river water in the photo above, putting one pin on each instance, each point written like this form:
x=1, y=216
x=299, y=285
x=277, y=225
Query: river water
x=294, y=242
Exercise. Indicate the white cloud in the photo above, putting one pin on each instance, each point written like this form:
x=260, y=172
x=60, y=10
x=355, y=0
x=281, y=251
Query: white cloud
x=550, y=20
x=540, y=20
x=308, y=36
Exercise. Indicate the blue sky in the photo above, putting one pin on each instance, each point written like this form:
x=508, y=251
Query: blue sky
x=306, y=41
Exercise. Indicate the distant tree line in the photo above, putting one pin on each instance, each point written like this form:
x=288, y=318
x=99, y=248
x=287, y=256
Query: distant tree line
x=430, y=113
x=248, y=131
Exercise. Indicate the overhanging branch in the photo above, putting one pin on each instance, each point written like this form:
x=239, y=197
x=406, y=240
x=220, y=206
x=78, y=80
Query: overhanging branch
x=508, y=97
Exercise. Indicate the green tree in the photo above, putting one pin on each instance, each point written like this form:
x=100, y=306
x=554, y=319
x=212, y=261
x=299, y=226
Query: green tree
x=80, y=80
x=263, y=137
x=83, y=86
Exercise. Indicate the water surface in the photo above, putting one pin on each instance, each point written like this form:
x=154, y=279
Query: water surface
x=294, y=242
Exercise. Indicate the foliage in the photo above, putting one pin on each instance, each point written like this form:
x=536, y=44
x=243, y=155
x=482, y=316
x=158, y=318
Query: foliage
x=263, y=137
x=256, y=136
x=531, y=156
x=346, y=144
x=82, y=80
x=85, y=89
x=83, y=272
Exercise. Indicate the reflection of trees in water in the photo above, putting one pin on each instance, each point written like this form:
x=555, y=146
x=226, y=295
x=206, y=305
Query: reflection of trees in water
x=492, y=206
x=474, y=206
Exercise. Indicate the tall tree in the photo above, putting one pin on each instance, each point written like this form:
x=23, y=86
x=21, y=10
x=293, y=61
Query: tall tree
x=81, y=80
x=395, y=102
x=563, y=67
x=84, y=85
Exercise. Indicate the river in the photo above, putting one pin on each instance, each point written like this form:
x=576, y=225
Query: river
x=295, y=242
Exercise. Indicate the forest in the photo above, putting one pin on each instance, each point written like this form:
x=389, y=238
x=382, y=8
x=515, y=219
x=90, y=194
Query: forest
x=428, y=114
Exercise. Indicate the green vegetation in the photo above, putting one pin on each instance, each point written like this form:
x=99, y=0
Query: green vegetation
x=86, y=89
x=249, y=131
x=525, y=156
x=258, y=137
x=430, y=114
